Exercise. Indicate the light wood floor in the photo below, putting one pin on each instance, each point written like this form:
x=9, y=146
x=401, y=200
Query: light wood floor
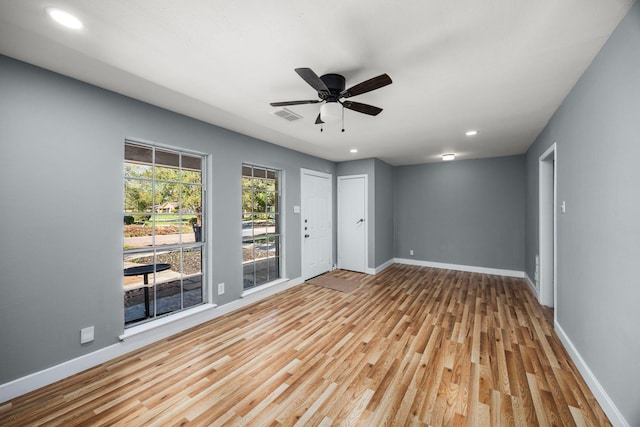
x=410, y=346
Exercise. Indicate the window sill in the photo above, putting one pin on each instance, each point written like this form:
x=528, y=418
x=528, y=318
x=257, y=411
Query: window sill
x=163, y=321
x=263, y=287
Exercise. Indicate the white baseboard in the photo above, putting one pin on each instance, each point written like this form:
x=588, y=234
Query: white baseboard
x=532, y=286
x=458, y=267
x=381, y=267
x=133, y=340
x=596, y=388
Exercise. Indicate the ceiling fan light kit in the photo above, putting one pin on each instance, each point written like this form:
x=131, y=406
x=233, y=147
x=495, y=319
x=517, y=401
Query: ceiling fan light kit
x=331, y=91
x=330, y=112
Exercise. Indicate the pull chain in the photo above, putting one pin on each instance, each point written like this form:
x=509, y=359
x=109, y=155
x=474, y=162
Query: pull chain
x=343, y=118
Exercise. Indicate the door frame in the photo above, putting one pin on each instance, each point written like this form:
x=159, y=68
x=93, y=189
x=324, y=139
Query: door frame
x=547, y=228
x=329, y=176
x=366, y=216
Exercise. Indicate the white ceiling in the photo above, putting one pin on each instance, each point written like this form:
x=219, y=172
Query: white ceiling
x=499, y=66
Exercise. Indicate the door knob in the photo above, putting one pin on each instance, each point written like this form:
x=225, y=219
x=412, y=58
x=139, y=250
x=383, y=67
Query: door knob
x=360, y=220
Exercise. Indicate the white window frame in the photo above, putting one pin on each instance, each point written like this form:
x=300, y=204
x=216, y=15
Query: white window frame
x=202, y=245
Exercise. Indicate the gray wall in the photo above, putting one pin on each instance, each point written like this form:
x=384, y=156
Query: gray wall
x=468, y=212
x=384, y=208
x=61, y=209
x=598, y=290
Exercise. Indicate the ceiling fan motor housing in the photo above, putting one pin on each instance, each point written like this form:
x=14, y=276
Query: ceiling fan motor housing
x=335, y=83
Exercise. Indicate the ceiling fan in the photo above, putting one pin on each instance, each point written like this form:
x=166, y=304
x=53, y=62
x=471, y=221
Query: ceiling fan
x=331, y=91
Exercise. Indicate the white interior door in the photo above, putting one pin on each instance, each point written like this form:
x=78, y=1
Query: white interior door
x=547, y=218
x=352, y=222
x=316, y=215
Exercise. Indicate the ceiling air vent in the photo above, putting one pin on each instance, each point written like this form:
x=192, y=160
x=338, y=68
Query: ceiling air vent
x=287, y=114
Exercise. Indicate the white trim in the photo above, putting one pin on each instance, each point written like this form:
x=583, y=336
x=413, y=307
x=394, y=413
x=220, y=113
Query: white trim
x=168, y=146
x=133, y=339
x=163, y=322
x=263, y=287
x=458, y=267
x=609, y=408
x=381, y=267
x=531, y=284
x=548, y=279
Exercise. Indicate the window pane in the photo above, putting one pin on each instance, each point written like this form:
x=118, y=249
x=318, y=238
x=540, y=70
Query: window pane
x=192, y=261
x=247, y=227
x=192, y=230
x=259, y=173
x=139, y=234
x=273, y=268
x=166, y=159
x=167, y=197
x=248, y=275
x=273, y=248
x=137, y=195
x=191, y=169
x=137, y=160
x=168, y=228
x=192, y=288
x=272, y=222
x=247, y=252
x=191, y=199
x=137, y=170
x=270, y=185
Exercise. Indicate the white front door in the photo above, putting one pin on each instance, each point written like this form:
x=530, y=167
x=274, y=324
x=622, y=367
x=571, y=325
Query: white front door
x=316, y=214
x=352, y=222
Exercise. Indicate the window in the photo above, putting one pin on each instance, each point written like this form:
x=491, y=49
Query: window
x=163, y=231
x=260, y=225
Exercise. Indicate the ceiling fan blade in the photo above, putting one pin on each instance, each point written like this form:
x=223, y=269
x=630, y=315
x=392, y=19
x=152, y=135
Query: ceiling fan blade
x=284, y=103
x=362, y=108
x=367, y=86
x=319, y=120
x=313, y=80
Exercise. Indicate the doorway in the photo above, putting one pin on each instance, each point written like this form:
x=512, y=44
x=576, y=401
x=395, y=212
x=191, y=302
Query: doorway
x=547, y=227
x=316, y=222
x=352, y=222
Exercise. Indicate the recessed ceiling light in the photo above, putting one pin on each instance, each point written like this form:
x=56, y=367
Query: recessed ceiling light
x=449, y=156
x=64, y=18
x=471, y=132
x=353, y=150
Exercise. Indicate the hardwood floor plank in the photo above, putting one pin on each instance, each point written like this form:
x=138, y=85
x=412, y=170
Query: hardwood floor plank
x=410, y=346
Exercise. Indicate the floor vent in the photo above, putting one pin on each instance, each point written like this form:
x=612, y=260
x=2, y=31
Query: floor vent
x=287, y=115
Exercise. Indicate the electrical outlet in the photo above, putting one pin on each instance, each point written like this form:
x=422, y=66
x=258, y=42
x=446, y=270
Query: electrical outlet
x=86, y=335
x=220, y=288
x=410, y=251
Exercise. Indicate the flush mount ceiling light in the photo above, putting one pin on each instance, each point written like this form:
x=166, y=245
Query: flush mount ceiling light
x=353, y=150
x=471, y=132
x=64, y=18
x=447, y=157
